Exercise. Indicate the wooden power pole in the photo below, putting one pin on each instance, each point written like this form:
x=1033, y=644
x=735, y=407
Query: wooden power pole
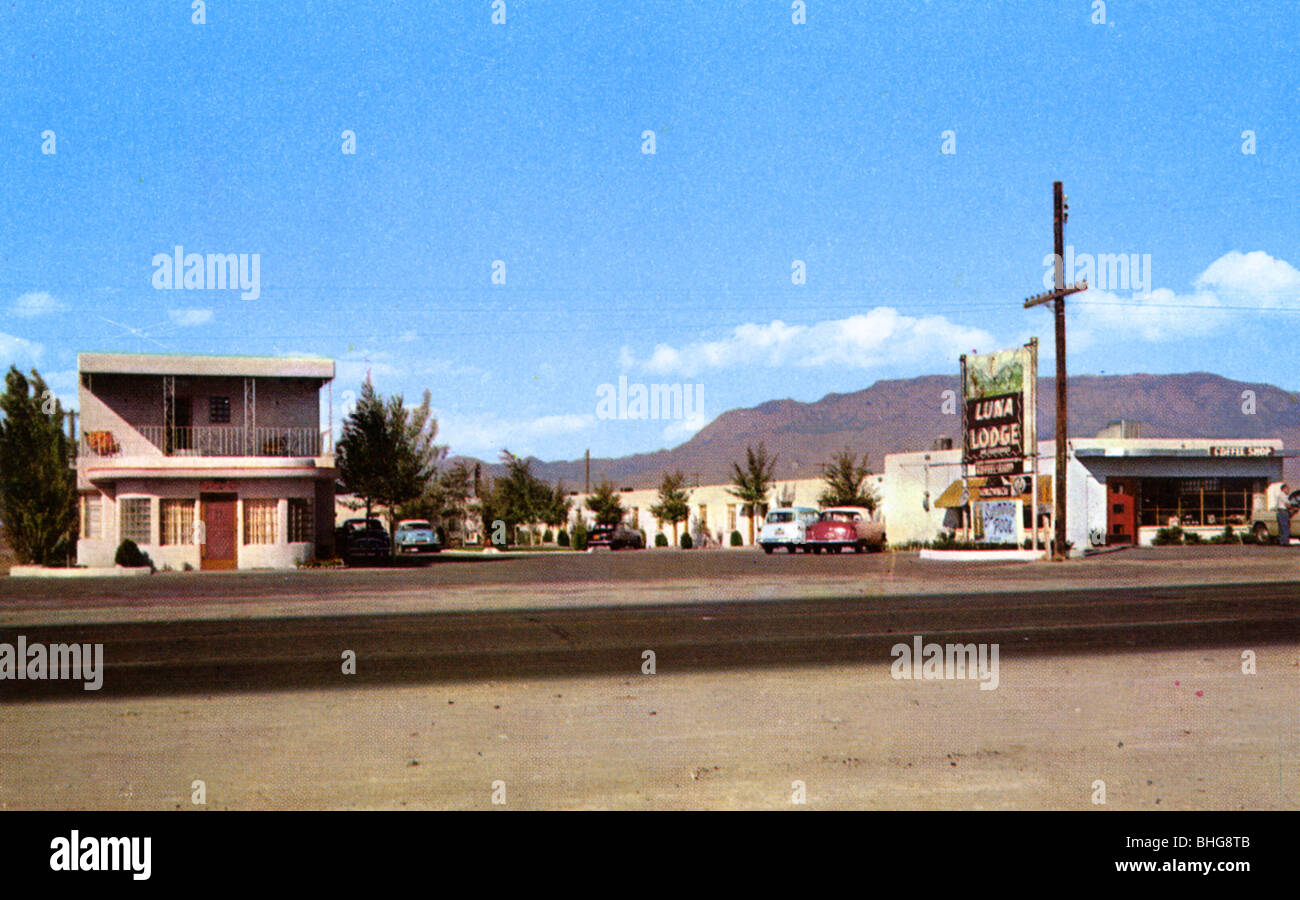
x=1060, y=213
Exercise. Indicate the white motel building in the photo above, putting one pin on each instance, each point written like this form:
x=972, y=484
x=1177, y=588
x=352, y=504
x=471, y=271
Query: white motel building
x=210, y=462
x=1120, y=490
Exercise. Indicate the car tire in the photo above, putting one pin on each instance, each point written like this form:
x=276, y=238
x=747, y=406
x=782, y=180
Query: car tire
x=817, y=551
x=768, y=549
x=860, y=547
x=791, y=549
x=1261, y=533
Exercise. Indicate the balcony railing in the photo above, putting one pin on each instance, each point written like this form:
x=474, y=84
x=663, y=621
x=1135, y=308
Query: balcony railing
x=214, y=440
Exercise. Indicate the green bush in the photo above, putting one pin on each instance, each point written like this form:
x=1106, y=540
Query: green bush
x=687, y=543
x=1168, y=536
x=1227, y=537
x=737, y=540
x=1193, y=537
x=562, y=538
x=1248, y=537
x=661, y=540
x=580, y=536
x=548, y=536
x=131, y=556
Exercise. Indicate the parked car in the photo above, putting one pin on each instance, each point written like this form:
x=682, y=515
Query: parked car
x=362, y=540
x=786, y=527
x=842, y=527
x=415, y=539
x=1264, y=522
x=615, y=537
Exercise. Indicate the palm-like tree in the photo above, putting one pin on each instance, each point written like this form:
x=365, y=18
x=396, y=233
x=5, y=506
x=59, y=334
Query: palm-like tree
x=752, y=483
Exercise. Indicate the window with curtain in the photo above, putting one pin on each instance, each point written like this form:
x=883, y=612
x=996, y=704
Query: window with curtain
x=259, y=521
x=177, y=521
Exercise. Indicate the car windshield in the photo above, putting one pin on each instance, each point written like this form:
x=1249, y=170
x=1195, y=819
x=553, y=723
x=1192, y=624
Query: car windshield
x=415, y=526
x=838, y=515
x=780, y=517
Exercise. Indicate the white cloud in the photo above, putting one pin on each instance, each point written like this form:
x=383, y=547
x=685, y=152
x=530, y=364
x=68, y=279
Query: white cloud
x=1235, y=279
x=877, y=338
x=486, y=435
x=20, y=352
x=1257, y=277
x=188, y=318
x=37, y=304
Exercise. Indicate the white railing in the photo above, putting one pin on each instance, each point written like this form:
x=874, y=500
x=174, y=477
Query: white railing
x=215, y=440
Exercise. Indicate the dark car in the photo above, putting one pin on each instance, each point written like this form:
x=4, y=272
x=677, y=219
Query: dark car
x=615, y=537
x=363, y=540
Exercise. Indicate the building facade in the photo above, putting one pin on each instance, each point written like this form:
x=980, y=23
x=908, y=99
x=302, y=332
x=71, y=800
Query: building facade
x=1119, y=490
x=205, y=462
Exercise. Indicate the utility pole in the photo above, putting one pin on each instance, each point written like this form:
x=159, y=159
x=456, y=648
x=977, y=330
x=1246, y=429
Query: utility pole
x=1060, y=213
x=586, y=484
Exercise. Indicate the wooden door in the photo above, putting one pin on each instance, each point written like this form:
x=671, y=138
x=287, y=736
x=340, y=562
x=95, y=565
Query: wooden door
x=219, y=550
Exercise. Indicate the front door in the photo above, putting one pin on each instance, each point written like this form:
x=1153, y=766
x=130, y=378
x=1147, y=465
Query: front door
x=218, y=550
x=1121, y=510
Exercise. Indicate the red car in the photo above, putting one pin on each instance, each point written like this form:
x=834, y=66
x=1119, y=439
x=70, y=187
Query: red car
x=841, y=527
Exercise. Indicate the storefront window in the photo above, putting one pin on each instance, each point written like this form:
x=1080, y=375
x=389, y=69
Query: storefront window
x=1195, y=501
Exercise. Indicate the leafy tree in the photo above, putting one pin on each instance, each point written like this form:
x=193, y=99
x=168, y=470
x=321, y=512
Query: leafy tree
x=606, y=504
x=521, y=498
x=38, y=487
x=673, y=505
x=366, y=448
x=387, y=455
x=579, y=532
x=752, y=483
x=555, y=506
x=412, y=470
x=846, y=481
x=455, y=486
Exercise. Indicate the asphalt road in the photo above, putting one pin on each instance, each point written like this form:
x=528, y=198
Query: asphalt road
x=286, y=651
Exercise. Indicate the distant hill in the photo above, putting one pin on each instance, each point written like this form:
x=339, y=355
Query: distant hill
x=903, y=415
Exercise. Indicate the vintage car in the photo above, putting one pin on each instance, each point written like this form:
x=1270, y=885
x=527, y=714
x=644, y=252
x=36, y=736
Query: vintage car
x=1264, y=522
x=415, y=539
x=361, y=541
x=786, y=527
x=842, y=527
x=615, y=537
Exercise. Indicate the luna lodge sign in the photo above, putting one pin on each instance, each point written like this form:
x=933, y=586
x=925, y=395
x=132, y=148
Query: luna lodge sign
x=1000, y=400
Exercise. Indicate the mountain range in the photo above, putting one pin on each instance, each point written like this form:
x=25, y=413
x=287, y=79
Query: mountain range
x=909, y=414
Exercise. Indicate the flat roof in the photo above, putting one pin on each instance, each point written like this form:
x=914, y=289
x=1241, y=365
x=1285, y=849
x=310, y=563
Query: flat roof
x=169, y=364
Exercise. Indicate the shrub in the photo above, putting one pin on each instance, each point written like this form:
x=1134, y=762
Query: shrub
x=131, y=556
x=548, y=536
x=687, y=543
x=580, y=536
x=562, y=538
x=1193, y=537
x=1227, y=537
x=737, y=540
x=661, y=540
x=1168, y=536
x=1248, y=537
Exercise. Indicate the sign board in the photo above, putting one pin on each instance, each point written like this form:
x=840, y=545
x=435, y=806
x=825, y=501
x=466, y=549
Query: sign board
x=999, y=520
x=999, y=411
x=1240, y=451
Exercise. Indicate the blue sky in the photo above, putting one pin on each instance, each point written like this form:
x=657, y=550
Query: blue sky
x=522, y=142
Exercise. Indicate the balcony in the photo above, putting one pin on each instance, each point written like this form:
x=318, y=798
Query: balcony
x=211, y=441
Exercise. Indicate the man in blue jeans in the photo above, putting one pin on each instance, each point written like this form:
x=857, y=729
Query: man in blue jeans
x=1283, y=517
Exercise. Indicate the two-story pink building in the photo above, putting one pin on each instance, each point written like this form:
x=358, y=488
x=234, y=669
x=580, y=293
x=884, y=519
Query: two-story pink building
x=215, y=462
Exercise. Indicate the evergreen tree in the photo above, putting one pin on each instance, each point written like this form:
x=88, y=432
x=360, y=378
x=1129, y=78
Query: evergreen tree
x=673, y=505
x=38, y=486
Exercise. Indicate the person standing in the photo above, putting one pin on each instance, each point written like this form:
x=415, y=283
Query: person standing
x=1279, y=502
